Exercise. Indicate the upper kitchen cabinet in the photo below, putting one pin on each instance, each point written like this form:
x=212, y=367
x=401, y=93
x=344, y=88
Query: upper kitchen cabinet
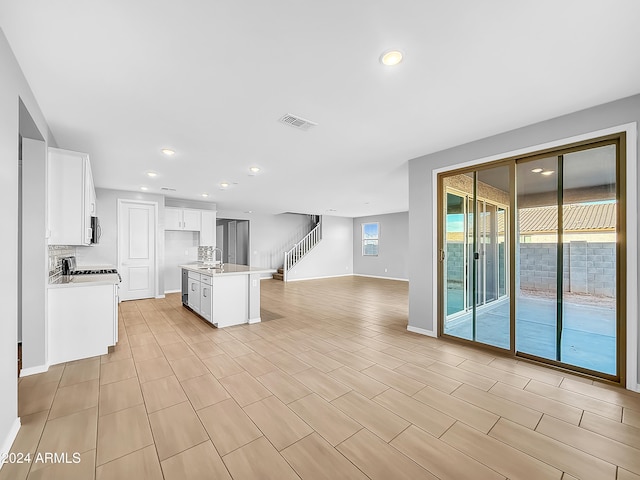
x=182, y=219
x=71, y=197
x=208, y=230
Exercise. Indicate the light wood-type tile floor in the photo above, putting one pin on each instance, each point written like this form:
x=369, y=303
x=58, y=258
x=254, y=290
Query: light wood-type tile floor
x=329, y=386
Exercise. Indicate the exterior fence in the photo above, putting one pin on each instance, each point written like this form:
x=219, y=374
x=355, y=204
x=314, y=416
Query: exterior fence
x=588, y=267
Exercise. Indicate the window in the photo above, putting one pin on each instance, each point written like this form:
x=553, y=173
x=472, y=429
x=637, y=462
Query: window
x=370, y=232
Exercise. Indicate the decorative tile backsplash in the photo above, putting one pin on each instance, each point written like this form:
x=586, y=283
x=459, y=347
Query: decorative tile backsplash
x=56, y=254
x=205, y=254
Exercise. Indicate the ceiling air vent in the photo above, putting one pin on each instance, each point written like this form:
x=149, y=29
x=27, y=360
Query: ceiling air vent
x=297, y=122
x=167, y=189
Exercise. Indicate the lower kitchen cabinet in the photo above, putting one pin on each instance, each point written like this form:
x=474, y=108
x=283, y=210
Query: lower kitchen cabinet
x=194, y=292
x=206, y=298
x=83, y=321
x=220, y=299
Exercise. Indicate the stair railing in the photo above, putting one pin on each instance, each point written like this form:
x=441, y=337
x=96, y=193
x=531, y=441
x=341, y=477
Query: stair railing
x=301, y=248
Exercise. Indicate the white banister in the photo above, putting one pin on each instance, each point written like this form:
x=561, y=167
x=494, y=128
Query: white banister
x=300, y=249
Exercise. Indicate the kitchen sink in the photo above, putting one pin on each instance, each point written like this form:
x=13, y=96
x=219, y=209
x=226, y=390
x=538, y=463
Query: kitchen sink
x=210, y=268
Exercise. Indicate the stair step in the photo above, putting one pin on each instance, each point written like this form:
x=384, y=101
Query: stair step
x=278, y=276
x=281, y=271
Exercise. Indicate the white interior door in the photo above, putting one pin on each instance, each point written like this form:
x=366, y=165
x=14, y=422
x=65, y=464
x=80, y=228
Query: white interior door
x=137, y=249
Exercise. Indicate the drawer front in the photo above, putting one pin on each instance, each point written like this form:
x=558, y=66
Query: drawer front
x=194, y=276
x=206, y=279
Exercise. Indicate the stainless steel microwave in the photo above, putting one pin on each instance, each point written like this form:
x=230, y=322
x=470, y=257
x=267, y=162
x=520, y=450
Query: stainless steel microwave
x=96, y=231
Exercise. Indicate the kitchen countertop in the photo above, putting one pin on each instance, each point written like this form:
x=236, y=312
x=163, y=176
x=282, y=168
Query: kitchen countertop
x=85, y=280
x=229, y=269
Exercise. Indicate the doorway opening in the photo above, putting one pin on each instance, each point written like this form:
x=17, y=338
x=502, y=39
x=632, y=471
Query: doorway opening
x=232, y=237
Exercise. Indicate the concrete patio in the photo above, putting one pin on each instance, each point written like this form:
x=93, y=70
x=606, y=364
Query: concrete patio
x=588, y=336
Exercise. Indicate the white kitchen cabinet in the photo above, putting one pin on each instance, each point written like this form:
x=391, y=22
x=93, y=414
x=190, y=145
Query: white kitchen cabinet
x=182, y=219
x=116, y=301
x=82, y=321
x=191, y=219
x=71, y=197
x=206, y=298
x=194, y=292
x=172, y=218
x=208, y=229
x=224, y=299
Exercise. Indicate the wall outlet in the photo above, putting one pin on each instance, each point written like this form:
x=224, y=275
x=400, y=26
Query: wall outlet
x=255, y=283
x=386, y=270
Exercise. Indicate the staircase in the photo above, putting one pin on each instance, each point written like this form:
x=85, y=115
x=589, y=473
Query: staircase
x=300, y=249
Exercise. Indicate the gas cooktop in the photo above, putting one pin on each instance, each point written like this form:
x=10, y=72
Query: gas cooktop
x=97, y=271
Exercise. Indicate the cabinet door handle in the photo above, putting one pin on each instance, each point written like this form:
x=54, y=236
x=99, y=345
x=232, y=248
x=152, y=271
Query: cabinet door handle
x=193, y=287
x=204, y=292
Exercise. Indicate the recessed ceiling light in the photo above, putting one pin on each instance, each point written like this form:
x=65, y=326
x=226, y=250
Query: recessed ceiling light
x=168, y=152
x=224, y=184
x=332, y=210
x=144, y=188
x=536, y=170
x=152, y=174
x=248, y=211
x=391, y=58
x=254, y=169
x=205, y=195
x=548, y=172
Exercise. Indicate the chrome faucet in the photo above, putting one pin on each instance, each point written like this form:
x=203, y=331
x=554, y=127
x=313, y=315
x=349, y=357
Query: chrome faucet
x=216, y=249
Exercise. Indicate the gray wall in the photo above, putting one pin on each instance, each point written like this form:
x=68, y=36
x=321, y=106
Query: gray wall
x=35, y=254
x=421, y=194
x=393, y=247
x=14, y=87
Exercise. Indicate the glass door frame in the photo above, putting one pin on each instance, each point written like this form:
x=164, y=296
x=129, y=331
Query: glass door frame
x=619, y=140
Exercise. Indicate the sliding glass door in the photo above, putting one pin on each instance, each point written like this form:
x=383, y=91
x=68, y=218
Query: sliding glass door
x=531, y=260
x=474, y=252
x=567, y=221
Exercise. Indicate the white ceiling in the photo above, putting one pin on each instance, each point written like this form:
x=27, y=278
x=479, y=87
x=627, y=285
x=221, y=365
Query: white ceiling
x=209, y=78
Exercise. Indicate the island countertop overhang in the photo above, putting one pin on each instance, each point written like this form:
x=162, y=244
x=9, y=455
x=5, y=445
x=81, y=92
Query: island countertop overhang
x=228, y=269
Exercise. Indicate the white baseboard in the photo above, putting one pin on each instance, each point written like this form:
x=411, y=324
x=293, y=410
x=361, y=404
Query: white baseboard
x=379, y=276
x=10, y=438
x=172, y=291
x=320, y=278
x=254, y=320
x=422, y=331
x=160, y=296
x=25, y=372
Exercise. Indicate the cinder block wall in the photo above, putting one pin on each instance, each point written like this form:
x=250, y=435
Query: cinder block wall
x=589, y=268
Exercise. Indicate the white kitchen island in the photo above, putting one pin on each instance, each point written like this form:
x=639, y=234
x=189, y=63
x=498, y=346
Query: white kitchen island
x=223, y=296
